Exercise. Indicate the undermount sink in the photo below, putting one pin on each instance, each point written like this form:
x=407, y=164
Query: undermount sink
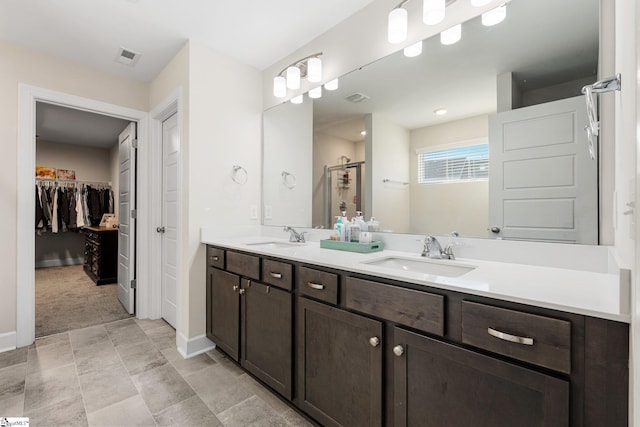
x=425, y=266
x=274, y=245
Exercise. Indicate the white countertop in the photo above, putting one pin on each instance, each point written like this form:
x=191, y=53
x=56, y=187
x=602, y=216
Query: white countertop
x=602, y=295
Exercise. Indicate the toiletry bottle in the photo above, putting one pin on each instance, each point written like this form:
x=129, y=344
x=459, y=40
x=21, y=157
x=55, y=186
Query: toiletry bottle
x=354, y=228
x=347, y=231
x=361, y=222
x=336, y=230
x=341, y=229
x=345, y=235
x=373, y=225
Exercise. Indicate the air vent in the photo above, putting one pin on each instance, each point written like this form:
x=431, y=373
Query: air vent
x=128, y=57
x=357, y=97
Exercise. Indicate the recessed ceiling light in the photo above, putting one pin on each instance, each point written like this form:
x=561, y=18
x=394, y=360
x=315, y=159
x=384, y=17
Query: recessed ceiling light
x=440, y=112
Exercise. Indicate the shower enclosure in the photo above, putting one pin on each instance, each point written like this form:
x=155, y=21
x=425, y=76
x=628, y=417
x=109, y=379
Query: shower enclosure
x=344, y=191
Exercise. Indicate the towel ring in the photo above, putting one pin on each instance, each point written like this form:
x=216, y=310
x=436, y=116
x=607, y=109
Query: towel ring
x=239, y=175
x=289, y=180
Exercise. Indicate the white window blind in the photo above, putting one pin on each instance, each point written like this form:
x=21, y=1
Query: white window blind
x=469, y=163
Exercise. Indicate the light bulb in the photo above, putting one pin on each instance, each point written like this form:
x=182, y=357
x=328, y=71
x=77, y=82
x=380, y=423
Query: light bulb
x=297, y=99
x=494, y=16
x=413, y=50
x=331, y=84
x=397, y=27
x=314, y=70
x=293, y=78
x=316, y=92
x=479, y=3
x=433, y=11
x=452, y=35
x=279, y=87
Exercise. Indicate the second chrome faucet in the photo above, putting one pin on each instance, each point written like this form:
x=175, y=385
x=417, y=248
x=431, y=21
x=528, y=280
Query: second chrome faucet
x=433, y=249
x=295, y=236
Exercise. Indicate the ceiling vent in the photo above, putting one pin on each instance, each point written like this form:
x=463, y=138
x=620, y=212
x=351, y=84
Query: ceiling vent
x=128, y=57
x=356, y=97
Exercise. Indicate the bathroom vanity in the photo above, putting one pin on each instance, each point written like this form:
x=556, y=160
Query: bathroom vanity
x=352, y=341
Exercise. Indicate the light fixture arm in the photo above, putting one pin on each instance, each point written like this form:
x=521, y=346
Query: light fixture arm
x=302, y=63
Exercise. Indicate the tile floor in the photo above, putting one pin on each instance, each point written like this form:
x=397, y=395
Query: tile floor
x=128, y=373
x=67, y=299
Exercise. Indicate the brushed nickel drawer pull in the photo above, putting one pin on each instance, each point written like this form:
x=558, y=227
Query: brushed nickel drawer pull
x=315, y=286
x=215, y=258
x=276, y=275
x=508, y=337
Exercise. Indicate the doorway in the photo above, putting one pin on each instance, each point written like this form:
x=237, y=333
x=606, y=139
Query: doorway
x=79, y=174
x=28, y=96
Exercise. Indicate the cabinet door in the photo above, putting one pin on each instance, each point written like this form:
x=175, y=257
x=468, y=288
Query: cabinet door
x=438, y=384
x=339, y=365
x=267, y=335
x=223, y=311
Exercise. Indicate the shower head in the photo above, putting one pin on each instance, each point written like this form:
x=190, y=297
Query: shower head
x=345, y=158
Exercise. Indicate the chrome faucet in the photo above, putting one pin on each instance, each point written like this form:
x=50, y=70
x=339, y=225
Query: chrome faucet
x=295, y=236
x=433, y=249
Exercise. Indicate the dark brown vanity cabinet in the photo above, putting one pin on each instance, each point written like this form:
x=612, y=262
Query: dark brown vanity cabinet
x=372, y=352
x=439, y=384
x=223, y=311
x=339, y=365
x=249, y=320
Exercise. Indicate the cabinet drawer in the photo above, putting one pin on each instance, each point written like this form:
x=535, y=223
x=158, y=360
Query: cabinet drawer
x=420, y=310
x=318, y=284
x=215, y=257
x=539, y=340
x=243, y=264
x=277, y=273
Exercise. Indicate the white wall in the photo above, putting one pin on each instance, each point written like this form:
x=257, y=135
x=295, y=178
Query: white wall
x=25, y=65
x=443, y=208
x=388, y=158
x=225, y=117
x=327, y=150
x=288, y=146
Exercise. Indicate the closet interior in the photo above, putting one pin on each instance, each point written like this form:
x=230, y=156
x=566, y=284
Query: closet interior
x=76, y=235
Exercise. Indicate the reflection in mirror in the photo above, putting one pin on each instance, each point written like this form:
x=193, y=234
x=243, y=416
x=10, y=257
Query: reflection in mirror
x=514, y=86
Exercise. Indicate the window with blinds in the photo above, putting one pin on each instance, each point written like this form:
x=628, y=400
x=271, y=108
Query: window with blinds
x=470, y=163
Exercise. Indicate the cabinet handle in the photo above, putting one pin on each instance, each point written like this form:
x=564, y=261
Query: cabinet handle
x=398, y=350
x=374, y=341
x=508, y=337
x=276, y=275
x=241, y=291
x=234, y=287
x=215, y=258
x=315, y=286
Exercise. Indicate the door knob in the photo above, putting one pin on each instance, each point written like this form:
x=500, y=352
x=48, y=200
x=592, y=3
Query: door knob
x=495, y=230
x=398, y=350
x=374, y=341
x=160, y=229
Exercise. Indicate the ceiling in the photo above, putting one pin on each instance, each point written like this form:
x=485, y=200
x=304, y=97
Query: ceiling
x=540, y=48
x=90, y=32
x=70, y=126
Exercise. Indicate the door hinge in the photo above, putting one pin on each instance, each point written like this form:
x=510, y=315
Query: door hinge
x=134, y=143
x=134, y=213
x=133, y=284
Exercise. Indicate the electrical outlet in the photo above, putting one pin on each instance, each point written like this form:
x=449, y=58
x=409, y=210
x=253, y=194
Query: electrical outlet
x=253, y=212
x=268, y=212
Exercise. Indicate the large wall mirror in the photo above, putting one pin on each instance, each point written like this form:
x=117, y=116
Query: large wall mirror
x=508, y=159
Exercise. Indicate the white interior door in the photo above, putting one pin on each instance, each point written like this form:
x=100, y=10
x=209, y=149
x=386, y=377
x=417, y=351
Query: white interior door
x=169, y=227
x=543, y=184
x=127, y=229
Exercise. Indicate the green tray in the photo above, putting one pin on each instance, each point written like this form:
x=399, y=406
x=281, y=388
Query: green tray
x=363, y=248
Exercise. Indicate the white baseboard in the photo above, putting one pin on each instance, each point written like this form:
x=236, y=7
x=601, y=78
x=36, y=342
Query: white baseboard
x=194, y=346
x=59, y=262
x=8, y=341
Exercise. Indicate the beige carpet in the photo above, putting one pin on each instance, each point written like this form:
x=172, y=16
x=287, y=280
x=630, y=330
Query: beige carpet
x=67, y=299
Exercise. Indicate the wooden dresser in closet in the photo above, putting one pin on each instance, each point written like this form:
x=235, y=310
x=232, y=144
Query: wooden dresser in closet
x=101, y=254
